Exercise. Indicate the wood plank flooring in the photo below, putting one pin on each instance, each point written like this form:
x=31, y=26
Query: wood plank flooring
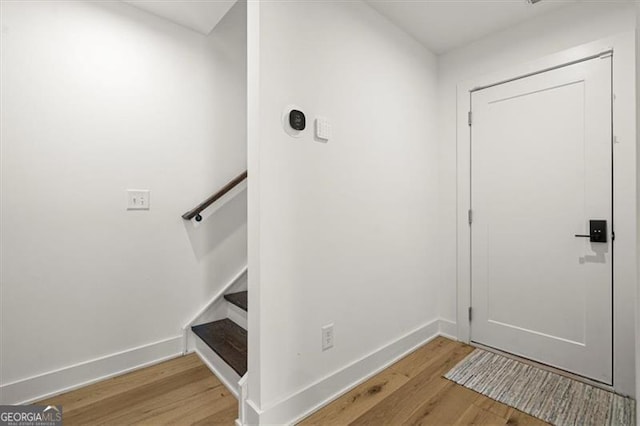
x=413, y=392
x=184, y=392
x=180, y=391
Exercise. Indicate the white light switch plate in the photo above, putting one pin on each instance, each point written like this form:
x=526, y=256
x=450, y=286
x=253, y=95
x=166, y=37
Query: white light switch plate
x=323, y=129
x=138, y=199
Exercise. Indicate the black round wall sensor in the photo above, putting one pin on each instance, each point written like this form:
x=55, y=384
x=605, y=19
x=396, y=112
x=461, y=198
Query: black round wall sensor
x=297, y=120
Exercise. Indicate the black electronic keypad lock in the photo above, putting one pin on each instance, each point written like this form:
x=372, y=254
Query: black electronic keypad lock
x=597, y=231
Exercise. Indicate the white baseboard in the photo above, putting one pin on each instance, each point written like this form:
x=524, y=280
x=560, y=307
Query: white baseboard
x=288, y=411
x=251, y=415
x=55, y=382
x=301, y=404
x=218, y=367
x=448, y=329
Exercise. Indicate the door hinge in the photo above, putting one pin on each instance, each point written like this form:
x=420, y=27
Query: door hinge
x=470, y=216
x=470, y=310
x=613, y=236
x=470, y=117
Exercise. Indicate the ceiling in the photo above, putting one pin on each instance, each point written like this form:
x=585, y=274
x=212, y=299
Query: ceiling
x=443, y=25
x=201, y=16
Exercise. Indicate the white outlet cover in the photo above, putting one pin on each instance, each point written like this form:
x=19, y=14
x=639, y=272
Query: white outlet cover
x=138, y=199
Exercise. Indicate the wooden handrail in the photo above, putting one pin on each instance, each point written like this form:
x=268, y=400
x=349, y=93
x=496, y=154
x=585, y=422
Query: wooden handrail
x=195, y=212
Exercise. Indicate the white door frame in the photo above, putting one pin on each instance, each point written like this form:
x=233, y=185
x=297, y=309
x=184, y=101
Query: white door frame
x=625, y=195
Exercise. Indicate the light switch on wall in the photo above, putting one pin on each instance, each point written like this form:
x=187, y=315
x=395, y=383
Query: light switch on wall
x=323, y=129
x=138, y=199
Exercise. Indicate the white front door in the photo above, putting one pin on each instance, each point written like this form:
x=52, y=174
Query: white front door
x=541, y=170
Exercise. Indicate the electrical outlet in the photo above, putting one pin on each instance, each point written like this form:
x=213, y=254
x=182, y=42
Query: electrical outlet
x=327, y=337
x=138, y=199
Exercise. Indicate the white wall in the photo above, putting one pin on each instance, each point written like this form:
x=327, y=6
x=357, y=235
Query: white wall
x=346, y=230
x=570, y=26
x=98, y=97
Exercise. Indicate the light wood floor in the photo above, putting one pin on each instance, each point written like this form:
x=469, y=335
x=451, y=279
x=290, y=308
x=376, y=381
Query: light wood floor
x=413, y=392
x=184, y=392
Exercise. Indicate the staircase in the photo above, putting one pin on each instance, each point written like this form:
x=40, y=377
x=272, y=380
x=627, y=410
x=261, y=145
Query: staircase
x=222, y=344
x=226, y=337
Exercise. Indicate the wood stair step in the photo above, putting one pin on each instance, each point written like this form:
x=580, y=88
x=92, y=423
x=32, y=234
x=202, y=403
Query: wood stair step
x=228, y=340
x=239, y=299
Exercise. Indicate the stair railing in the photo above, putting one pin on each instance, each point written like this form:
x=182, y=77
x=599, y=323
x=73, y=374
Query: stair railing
x=195, y=212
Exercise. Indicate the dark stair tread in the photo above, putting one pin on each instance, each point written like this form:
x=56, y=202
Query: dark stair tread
x=228, y=340
x=239, y=299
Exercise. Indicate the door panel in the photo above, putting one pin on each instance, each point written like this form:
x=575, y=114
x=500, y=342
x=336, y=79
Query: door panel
x=540, y=170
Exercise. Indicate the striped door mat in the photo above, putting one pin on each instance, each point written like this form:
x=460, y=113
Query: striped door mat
x=548, y=396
